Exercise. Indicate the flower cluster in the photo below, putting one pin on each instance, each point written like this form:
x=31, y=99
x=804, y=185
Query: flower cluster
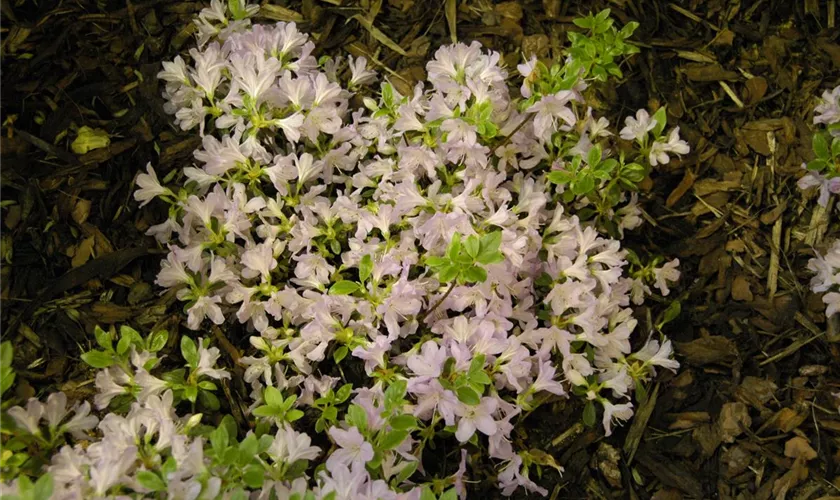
x=826, y=269
x=457, y=245
x=824, y=169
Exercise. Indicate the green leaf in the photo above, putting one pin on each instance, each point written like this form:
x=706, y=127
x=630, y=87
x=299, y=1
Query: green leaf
x=835, y=146
x=593, y=158
x=254, y=476
x=343, y=393
x=273, y=396
x=670, y=314
x=561, y=177
x=661, y=120
x=403, y=422
x=266, y=411
x=628, y=29
x=43, y=489
x=357, y=417
x=132, y=334
x=7, y=378
x=480, y=377
x=340, y=353
x=344, y=287
x=393, y=439
x=816, y=165
x=209, y=400
x=472, y=246
x=584, y=22
x=468, y=396
x=589, y=414
x=189, y=351
x=435, y=262
x=150, y=480
x=158, y=340
x=248, y=446
x=454, y=247
x=123, y=345
x=427, y=494
x=448, y=273
x=219, y=439
x=395, y=393
x=475, y=274
x=633, y=172
x=98, y=359
x=820, y=145
x=407, y=471
x=103, y=338
x=584, y=184
x=207, y=385
x=450, y=494
x=365, y=268
x=191, y=393
x=488, y=252
x=293, y=415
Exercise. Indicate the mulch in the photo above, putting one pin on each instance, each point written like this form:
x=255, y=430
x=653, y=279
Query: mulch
x=749, y=415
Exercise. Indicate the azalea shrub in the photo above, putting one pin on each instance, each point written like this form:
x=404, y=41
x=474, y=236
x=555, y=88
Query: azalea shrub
x=416, y=273
x=823, y=176
x=823, y=172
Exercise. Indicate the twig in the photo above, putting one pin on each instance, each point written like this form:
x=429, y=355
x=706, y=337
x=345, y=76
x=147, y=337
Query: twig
x=439, y=302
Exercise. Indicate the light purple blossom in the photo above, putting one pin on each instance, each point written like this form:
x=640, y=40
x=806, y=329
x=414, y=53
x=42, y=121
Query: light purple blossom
x=354, y=451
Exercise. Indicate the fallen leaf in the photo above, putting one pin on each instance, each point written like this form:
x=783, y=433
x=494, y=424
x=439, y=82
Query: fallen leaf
x=755, y=391
x=708, y=72
x=82, y=252
x=733, y=419
x=799, y=447
x=741, y=289
x=756, y=89
x=708, y=350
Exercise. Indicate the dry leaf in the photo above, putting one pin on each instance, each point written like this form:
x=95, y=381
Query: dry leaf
x=83, y=252
x=81, y=211
x=741, y=289
x=708, y=350
x=733, y=419
x=799, y=447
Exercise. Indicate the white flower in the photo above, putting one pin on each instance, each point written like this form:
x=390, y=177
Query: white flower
x=109, y=384
x=360, y=75
x=637, y=128
x=668, y=272
x=655, y=355
x=827, y=186
x=81, y=421
x=30, y=417
x=354, y=451
x=660, y=149
x=175, y=71
x=828, y=110
x=545, y=380
x=613, y=412
x=290, y=446
x=207, y=361
x=205, y=307
x=476, y=417
x=551, y=108
x=150, y=187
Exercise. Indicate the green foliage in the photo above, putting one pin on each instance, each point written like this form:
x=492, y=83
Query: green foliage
x=120, y=354
x=7, y=372
x=279, y=409
x=826, y=155
x=462, y=262
x=469, y=386
x=328, y=406
x=595, y=52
